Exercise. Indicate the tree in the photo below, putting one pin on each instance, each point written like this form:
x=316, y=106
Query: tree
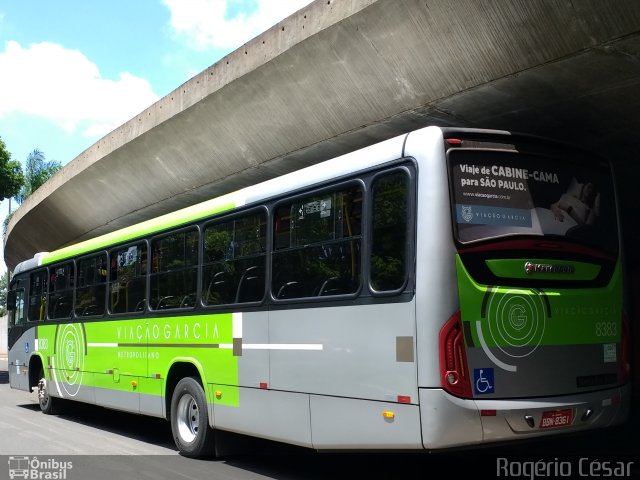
x=37, y=171
x=11, y=177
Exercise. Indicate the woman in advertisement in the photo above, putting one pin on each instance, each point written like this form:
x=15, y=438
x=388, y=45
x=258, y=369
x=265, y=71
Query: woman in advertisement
x=580, y=203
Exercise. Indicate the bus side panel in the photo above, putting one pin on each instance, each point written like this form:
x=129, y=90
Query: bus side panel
x=83, y=363
x=244, y=364
x=279, y=416
x=63, y=350
x=436, y=283
x=151, y=397
x=19, y=355
x=361, y=424
x=253, y=359
x=356, y=351
x=66, y=380
x=213, y=344
x=115, y=391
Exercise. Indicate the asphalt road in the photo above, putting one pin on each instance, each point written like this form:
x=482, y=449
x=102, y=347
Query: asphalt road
x=105, y=445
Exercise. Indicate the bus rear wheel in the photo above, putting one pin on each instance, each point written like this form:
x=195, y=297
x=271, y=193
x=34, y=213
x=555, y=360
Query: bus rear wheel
x=190, y=419
x=48, y=404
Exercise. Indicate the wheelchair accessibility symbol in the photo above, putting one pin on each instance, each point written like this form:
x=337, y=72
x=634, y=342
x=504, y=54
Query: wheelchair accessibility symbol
x=483, y=380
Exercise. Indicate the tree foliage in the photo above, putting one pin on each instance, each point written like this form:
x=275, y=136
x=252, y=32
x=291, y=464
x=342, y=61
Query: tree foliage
x=3, y=294
x=11, y=177
x=5, y=225
x=37, y=171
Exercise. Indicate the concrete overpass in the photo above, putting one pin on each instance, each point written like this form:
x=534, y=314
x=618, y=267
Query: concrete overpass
x=340, y=74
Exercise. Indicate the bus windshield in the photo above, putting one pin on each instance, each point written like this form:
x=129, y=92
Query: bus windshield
x=505, y=193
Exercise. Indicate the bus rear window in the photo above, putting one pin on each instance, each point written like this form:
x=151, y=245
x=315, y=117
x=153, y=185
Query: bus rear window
x=497, y=194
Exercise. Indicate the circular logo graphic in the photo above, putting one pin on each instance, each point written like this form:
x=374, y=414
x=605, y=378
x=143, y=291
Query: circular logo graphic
x=467, y=214
x=516, y=320
x=71, y=357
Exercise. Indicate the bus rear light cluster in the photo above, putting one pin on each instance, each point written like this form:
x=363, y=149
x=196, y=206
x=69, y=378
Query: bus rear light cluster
x=454, y=374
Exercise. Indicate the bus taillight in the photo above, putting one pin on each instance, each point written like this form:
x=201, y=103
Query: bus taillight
x=624, y=367
x=454, y=374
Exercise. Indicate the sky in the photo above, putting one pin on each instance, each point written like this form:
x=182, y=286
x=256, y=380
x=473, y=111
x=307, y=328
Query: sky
x=71, y=71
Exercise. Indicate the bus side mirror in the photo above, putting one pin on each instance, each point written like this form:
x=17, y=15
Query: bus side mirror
x=11, y=300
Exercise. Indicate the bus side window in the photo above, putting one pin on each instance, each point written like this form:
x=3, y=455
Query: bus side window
x=317, y=243
x=389, y=232
x=128, y=279
x=174, y=270
x=234, y=260
x=91, y=286
x=61, y=291
x=37, y=296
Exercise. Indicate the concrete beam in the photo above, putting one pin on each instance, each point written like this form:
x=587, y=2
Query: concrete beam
x=336, y=76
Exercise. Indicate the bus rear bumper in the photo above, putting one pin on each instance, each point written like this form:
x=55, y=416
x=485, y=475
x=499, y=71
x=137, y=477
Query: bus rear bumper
x=448, y=421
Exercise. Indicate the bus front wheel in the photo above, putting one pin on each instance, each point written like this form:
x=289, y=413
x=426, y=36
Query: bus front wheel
x=47, y=402
x=190, y=419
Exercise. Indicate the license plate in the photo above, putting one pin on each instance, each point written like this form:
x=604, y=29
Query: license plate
x=557, y=418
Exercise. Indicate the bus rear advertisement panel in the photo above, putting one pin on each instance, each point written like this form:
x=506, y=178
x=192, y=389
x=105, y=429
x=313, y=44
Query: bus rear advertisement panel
x=544, y=320
x=444, y=288
x=501, y=193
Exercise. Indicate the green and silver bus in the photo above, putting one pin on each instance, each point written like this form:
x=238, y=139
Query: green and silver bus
x=443, y=288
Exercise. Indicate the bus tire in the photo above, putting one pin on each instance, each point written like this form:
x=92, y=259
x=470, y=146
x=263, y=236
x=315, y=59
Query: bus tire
x=48, y=404
x=190, y=419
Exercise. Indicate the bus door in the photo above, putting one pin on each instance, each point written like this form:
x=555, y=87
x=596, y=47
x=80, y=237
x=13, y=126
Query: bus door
x=17, y=325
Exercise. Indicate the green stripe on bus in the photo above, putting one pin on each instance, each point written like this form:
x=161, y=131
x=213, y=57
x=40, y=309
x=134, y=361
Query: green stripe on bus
x=169, y=220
